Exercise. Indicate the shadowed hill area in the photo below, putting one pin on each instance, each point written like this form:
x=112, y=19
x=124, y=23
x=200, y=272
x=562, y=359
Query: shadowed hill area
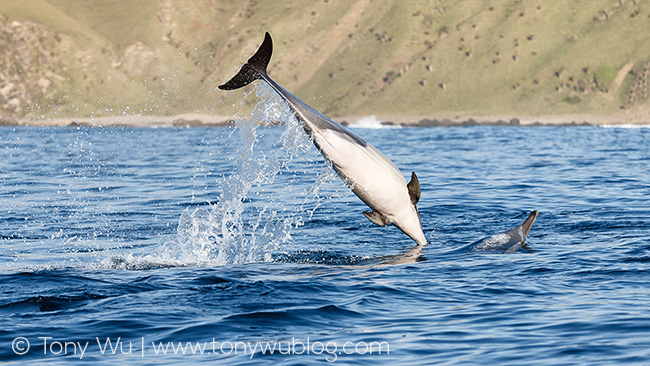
x=70, y=58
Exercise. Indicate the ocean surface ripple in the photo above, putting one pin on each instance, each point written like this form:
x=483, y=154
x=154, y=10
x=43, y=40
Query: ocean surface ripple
x=230, y=237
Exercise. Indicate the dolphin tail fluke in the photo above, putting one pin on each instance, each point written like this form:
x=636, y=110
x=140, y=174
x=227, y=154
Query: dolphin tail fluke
x=254, y=69
x=525, y=227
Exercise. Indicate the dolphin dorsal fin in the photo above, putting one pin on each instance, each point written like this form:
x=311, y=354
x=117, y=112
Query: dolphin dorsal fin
x=414, y=188
x=377, y=218
x=525, y=227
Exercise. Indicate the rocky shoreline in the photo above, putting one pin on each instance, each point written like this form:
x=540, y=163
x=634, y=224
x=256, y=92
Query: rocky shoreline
x=637, y=116
x=205, y=120
x=182, y=120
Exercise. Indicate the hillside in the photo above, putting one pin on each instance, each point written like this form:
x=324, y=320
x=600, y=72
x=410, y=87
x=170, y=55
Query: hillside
x=72, y=58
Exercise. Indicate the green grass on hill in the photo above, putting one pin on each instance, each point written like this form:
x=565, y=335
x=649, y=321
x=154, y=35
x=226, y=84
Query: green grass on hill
x=345, y=58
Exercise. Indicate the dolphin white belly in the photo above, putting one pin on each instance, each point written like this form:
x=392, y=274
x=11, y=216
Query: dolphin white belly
x=372, y=177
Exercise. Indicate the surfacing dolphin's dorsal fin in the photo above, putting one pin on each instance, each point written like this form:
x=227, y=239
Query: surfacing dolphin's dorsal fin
x=525, y=227
x=254, y=68
x=376, y=217
x=507, y=241
x=414, y=188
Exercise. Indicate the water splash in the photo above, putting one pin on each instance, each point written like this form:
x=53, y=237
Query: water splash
x=626, y=125
x=372, y=122
x=257, y=208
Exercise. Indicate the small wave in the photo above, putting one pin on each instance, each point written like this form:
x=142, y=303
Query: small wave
x=372, y=122
x=132, y=262
x=304, y=316
x=626, y=125
x=51, y=303
x=321, y=257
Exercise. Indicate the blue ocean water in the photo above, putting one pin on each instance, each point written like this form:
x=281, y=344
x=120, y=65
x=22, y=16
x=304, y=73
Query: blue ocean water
x=234, y=239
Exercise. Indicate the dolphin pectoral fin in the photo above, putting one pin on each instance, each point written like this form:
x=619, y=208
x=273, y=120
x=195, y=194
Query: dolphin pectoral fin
x=525, y=227
x=254, y=69
x=377, y=218
x=414, y=188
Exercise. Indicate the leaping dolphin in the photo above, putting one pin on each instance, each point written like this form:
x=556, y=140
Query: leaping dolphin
x=370, y=174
